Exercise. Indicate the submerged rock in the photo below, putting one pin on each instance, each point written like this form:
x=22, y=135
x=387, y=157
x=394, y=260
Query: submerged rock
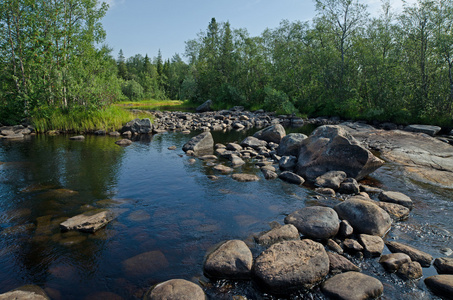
x=179, y=289
x=89, y=221
x=145, y=264
x=245, y=177
x=230, y=260
x=352, y=286
x=77, y=138
x=291, y=265
x=315, y=222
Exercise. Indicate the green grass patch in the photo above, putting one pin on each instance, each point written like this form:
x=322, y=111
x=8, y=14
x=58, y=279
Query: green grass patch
x=157, y=105
x=81, y=119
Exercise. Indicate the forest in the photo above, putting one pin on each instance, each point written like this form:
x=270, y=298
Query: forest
x=345, y=62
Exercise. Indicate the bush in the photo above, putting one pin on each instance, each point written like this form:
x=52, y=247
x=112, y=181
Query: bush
x=278, y=101
x=133, y=90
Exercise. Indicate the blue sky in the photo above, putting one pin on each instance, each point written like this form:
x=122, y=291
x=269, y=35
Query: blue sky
x=145, y=26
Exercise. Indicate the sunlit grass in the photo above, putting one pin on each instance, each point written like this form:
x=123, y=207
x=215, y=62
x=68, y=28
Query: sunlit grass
x=82, y=120
x=157, y=105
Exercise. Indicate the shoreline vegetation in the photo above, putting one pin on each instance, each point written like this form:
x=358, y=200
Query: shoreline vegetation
x=391, y=67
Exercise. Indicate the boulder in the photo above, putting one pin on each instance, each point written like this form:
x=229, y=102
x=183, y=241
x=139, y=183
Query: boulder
x=287, y=163
x=373, y=245
x=332, y=179
x=236, y=161
x=410, y=270
x=364, y=216
x=282, y=233
x=352, y=286
x=223, y=169
x=339, y=263
x=273, y=133
x=245, y=177
x=290, y=144
x=331, y=148
x=393, y=261
x=444, y=265
x=428, y=129
x=315, y=222
x=200, y=144
x=396, y=211
x=206, y=106
x=423, y=258
x=291, y=178
x=176, y=289
x=253, y=142
x=89, y=221
x=349, y=186
x=441, y=285
x=26, y=292
x=397, y=198
x=230, y=260
x=143, y=126
x=291, y=265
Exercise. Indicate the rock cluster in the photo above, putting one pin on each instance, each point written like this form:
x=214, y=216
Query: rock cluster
x=16, y=132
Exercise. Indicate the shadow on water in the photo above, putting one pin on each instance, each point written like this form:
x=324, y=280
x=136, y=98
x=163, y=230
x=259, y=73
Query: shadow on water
x=172, y=213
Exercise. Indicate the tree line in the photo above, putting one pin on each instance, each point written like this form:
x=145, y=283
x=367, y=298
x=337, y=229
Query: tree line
x=344, y=62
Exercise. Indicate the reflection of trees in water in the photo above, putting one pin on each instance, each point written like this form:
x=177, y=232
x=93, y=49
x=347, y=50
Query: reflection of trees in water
x=53, y=166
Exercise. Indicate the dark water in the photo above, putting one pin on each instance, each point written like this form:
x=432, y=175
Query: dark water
x=170, y=210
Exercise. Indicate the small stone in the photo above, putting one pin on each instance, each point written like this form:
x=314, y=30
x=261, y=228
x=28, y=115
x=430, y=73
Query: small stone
x=444, y=265
x=416, y=255
x=172, y=148
x=326, y=192
x=77, y=138
x=269, y=174
x=245, y=177
x=223, y=169
x=352, y=286
x=392, y=262
x=334, y=246
x=291, y=178
x=346, y=229
x=373, y=245
x=410, y=270
x=352, y=245
x=339, y=263
x=123, y=142
x=349, y=186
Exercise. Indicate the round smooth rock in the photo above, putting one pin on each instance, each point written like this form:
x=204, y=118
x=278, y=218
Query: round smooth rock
x=231, y=260
x=441, y=285
x=352, y=286
x=282, y=233
x=444, y=265
x=392, y=262
x=315, y=222
x=291, y=265
x=123, y=142
x=410, y=270
x=423, y=258
x=397, y=198
x=245, y=177
x=291, y=177
x=332, y=179
x=176, y=289
x=373, y=245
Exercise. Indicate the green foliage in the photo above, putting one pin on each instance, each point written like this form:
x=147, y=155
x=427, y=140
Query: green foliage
x=133, y=90
x=278, y=101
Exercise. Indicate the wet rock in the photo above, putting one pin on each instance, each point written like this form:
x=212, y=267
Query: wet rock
x=230, y=260
x=89, y=221
x=428, y=129
x=123, y=142
x=392, y=262
x=245, y=177
x=326, y=192
x=331, y=148
x=77, y=138
x=208, y=157
x=349, y=186
x=287, y=163
x=373, y=245
x=145, y=264
x=441, y=285
x=172, y=148
x=274, y=133
x=179, y=289
x=352, y=245
x=352, y=286
x=143, y=126
x=283, y=233
x=291, y=265
x=114, y=133
x=236, y=161
x=410, y=270
x=444, y=265
x=364, y=216
x=290, y=144
x=269, y=174
x=206, y=106
x=291, y=178
x=315, y=222
x=234, y=147
x=223, y=169
x=200, y=144
x=253, y=142
x=345, y=229
x=339, y=263
x=416, y=255
x=397, y=198
x=332, y=179
x=332, y=245
x=369, y=189
x=396, y=211
x=26, y=292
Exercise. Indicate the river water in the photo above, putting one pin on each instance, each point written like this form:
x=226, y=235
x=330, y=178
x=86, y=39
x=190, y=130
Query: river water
x=171, y=211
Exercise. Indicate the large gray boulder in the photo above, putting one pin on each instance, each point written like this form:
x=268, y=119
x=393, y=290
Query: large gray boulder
x=291, y=265
x=331, y=148
x=352, y=286
x=315, y=222
x=273, y=133
x=206, y=106
x=364, y=216
x=230, y=260
x=143, y=126
x=175, y=289
x=200, y=144
x=290, y=144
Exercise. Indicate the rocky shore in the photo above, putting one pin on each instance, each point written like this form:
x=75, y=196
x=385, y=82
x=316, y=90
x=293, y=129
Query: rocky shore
x=313, y=249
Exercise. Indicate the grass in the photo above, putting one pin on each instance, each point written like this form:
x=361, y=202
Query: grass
x=80, y=120
x=157, y=105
